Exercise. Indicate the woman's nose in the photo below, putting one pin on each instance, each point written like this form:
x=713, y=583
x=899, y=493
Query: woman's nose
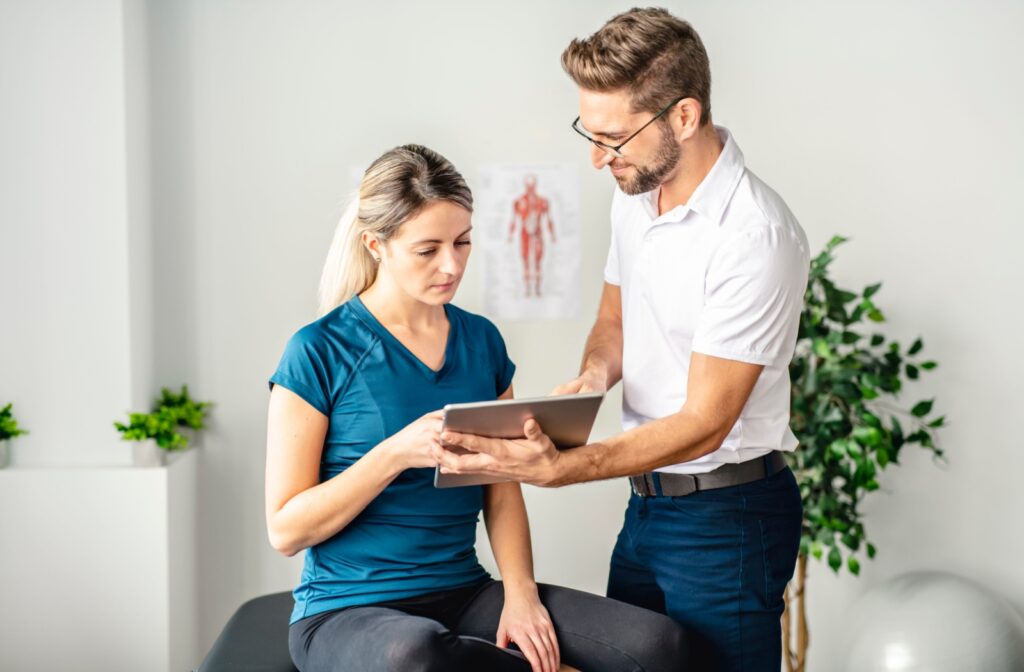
x=451, y=263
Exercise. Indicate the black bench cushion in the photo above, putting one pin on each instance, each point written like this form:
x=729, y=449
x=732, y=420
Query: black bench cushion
x=255, y=639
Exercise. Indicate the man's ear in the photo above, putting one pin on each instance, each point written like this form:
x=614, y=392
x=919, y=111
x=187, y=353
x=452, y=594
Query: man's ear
x=686, y=116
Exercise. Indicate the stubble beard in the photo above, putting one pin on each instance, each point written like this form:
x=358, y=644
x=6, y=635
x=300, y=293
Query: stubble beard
x=649, y=177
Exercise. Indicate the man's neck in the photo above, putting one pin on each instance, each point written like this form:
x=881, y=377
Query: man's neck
x=699, y=155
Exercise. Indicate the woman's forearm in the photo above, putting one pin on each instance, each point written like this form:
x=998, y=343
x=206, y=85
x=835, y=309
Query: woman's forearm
x=320, y=512
x=509, y=531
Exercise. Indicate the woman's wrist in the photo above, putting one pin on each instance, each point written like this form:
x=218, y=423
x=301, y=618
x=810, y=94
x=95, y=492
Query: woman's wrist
x=519, y=587
x=391, y=457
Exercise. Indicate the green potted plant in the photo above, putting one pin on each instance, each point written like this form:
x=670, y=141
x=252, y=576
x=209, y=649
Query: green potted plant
x=190, y=414
x=9, y=429
x=170, y=426
x=845, y=384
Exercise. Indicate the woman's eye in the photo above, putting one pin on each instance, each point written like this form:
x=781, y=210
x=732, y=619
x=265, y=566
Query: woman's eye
x=464, y=242
x=425, y=253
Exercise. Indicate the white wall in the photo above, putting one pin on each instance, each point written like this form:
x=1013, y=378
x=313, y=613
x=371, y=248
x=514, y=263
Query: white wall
x=890, y=124
x=63, y=217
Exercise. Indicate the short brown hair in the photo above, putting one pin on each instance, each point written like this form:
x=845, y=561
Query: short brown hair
x=654, y=55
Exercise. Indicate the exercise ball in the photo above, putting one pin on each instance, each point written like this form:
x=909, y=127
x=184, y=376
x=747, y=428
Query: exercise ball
x=932, y=622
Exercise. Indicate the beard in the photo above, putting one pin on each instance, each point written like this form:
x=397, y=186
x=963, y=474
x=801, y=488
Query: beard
x=646, y=178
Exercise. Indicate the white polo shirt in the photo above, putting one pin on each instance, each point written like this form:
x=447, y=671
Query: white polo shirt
x=723, y=275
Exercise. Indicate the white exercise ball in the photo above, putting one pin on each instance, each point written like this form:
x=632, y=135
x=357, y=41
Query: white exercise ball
x=933, y=622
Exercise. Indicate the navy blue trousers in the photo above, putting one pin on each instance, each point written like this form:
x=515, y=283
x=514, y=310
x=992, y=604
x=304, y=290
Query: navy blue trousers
x=718, y=562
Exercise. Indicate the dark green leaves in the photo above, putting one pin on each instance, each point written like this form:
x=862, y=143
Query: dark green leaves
x=835, y=560
x=922, y=408
x=841, y=382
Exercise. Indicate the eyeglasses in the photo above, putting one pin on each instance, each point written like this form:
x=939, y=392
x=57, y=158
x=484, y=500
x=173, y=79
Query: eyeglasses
x=615, y=150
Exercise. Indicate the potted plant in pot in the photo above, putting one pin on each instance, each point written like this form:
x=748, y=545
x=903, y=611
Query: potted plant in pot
x=172, y=424
x=8, y=430
x=845, y=385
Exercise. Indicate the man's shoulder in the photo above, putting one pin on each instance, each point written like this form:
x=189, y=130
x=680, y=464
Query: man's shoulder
x=756, y=209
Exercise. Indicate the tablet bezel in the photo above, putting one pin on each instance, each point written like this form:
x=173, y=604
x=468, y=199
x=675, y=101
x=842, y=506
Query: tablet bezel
x=567, y=419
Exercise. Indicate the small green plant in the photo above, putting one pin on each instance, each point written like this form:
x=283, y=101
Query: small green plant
x=190, y=413
x=8, y=425
x=171, y=413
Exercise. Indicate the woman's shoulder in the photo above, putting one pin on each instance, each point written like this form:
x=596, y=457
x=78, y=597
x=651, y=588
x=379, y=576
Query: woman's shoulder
x=477, y=331
x=471, y=321
x=339, y=331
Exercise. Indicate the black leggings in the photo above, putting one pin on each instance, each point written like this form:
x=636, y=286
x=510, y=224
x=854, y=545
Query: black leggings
x=455, y=630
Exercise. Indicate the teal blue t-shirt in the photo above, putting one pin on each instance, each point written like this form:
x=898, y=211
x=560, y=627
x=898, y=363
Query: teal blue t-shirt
x=413, y=538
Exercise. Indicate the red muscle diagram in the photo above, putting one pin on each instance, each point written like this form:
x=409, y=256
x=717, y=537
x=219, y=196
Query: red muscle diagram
x=530, y=213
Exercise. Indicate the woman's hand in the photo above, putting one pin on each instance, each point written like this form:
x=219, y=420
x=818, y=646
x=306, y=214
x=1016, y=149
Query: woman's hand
x=525, y=621
x=413, y=446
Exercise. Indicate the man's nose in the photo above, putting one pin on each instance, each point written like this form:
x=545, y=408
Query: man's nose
x=598, y=157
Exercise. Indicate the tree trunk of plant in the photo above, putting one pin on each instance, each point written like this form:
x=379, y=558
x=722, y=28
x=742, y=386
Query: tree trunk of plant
x=795, y=638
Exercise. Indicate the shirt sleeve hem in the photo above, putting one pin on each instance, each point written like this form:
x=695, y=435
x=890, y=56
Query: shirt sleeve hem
x=737, y=355
x=506, y=380
x=303, y=391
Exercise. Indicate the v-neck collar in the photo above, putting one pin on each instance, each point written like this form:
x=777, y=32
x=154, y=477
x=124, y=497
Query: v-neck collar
x=370, y=319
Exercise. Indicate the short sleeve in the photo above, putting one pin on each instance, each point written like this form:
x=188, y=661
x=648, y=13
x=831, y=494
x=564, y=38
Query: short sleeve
x=304, y=371
x=753, y=296
x=503, y=366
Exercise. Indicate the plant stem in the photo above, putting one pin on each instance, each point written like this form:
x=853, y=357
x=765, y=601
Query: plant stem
x=795, y=653
x=803, y=637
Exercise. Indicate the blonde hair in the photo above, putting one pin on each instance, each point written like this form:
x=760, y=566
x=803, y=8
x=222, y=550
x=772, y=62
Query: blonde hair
x=394, y=188
x=650, y=53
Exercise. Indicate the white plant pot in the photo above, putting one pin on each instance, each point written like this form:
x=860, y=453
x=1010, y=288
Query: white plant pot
x=5, y=453
x=148, y=454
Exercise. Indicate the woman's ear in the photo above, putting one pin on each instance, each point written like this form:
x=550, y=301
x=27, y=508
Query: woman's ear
x=372, y=245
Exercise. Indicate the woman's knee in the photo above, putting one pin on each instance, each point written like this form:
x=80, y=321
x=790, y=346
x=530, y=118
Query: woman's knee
x=671, y=646
x=423, y=649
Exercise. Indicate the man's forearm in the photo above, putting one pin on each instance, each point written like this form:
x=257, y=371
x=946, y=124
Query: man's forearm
x=680, y=437
x=602, y=355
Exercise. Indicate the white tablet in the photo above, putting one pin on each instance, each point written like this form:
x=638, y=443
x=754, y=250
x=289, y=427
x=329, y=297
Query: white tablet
x=566, y=418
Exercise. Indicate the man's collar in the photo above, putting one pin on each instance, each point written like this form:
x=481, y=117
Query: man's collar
x=712, y=195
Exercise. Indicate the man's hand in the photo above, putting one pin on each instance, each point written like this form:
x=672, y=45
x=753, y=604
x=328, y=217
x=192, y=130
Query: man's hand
x=588, y=381
x=533, y=459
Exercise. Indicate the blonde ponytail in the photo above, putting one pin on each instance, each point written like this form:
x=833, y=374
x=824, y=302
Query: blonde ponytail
x=349, y=268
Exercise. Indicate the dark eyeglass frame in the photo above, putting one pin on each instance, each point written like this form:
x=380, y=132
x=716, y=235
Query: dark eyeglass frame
x=615, y=150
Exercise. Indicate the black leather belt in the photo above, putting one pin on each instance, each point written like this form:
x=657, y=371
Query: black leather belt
x=666, y=484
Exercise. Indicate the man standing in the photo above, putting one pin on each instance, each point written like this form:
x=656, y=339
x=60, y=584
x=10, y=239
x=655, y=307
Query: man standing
x=703, y=291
